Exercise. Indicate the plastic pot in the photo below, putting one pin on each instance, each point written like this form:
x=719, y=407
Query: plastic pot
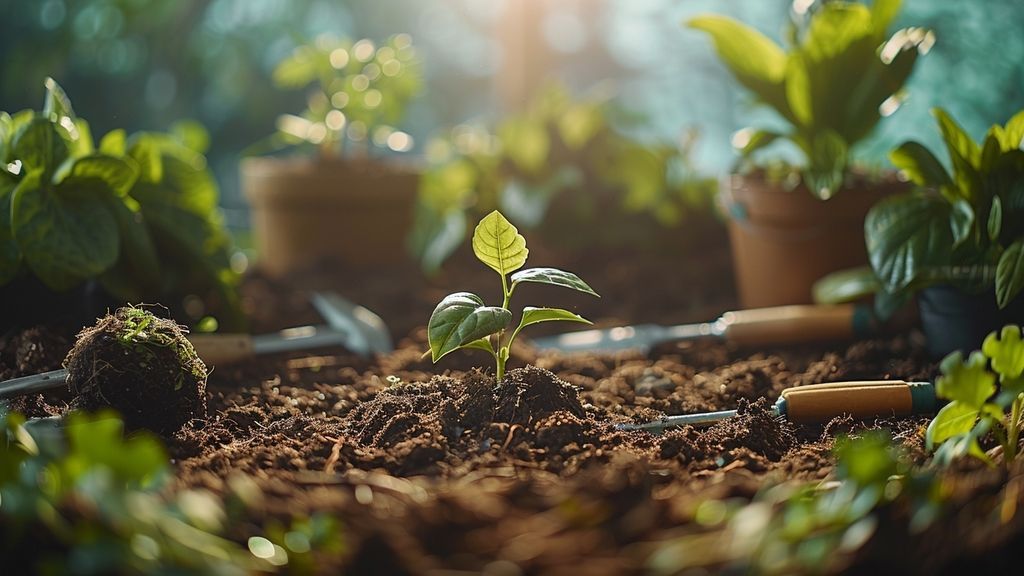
x=955, y=320
x=785, y=240
x=312, y=211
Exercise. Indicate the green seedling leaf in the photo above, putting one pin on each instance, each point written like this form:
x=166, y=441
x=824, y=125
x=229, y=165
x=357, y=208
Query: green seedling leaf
x=64, y=237
x=499, y=245
x=961, y=221
x=532, y=315
x=1010, y=274
x=968, y=382
x=995, y=219
x=920, y=165
x=99, y=169
x=554, y=277
x=1013, y=133
x=460, y=319
x=1006, y=349
x=39, y=146
x=114, y=143
x=57, y=104
x=953, y=419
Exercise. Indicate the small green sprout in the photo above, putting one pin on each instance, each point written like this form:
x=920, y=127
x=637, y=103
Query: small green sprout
x=977, y=404
x=462, y=320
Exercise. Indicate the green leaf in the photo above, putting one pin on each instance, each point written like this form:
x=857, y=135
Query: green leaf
x=828, y=157
x=6, y=131
x=579, y=124
x=533, y=315
x=846, y=286
x=758, y=139
x=57, y=104
x=995, y=219
x=114, y=143
x=969, y=382
x=436, y=236
x=963, y=152
x=920, y=165
x=64, y=237
x=1013, y=133
x=460, y=319
x=192, y=135
x=136, y=275
x=97, y=442
x=883, y=12
x=39, y=147
x=953, y=419
x=297, y=70
x=1006, y=349
x=554, y=277
x=498, y=244
x=757, y=63
x=905, y=235
x=10, y=256
x=1010, y=274
x=115, y=173
x=147, y=150
x=961, y=221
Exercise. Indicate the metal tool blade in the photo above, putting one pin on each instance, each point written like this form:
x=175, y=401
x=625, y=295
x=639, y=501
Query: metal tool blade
x=702, y=419
x=640, y=337
x=369, y=334
x=33, y=383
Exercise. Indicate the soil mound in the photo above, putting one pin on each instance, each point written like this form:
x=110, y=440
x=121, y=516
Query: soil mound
x=140, y=365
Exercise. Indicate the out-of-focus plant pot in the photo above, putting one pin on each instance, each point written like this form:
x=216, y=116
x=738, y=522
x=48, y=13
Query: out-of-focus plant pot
x=312, y=211
x=956, y=320
x=785, y=240
x=27, y=302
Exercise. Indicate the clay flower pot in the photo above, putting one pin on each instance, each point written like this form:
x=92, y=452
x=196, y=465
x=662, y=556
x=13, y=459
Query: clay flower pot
x=311, y=211
x=784, y=240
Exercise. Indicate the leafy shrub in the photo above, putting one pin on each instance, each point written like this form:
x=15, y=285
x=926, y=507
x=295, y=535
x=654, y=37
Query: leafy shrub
x=138, y=214
x=832, y=85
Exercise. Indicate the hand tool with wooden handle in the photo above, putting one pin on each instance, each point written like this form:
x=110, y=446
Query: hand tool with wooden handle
x=759, y=326
x=818, y=403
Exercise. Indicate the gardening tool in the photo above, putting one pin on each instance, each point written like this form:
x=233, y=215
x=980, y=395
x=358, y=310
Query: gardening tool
x=758, y=326
x=348, y=324
x=821, y=402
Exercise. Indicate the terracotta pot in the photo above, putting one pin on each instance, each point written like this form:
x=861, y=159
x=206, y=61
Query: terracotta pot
x=785, y=240
x=307, y=212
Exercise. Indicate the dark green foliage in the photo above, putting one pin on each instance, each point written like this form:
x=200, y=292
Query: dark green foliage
x=138, y=213
x=964, y=227
x=841, y=73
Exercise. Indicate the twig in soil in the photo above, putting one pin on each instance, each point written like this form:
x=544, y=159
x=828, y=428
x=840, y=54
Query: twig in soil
x=508, y=439
x=332, y=460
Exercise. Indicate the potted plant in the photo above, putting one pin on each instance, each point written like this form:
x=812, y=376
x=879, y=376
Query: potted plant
x=958, y=240
x=558, y=168
x=84, y=227
x=338, y=203
x=840, y=74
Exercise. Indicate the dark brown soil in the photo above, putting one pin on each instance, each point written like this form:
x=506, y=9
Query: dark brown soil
x=440, y=470
x=140, y=365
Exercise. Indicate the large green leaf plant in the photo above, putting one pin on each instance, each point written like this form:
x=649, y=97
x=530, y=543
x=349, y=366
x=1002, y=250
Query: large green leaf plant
x=841, y=73
x=964, y=228
x=138, y=214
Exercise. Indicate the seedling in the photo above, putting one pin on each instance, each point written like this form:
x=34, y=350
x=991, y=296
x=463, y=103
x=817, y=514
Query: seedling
x=463, y=320
x=978, y=405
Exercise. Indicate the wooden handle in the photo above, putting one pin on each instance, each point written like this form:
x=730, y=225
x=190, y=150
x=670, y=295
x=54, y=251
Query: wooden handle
x=789, y=324
x=222, y=348
x=868, y=399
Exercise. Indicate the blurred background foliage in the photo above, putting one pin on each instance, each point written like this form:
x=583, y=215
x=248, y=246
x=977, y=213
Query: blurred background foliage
x=143, y=64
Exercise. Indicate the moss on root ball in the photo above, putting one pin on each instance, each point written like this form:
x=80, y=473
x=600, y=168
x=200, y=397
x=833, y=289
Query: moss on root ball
x=140, y=365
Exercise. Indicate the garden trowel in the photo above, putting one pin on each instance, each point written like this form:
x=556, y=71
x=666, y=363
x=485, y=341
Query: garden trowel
x=348, y=325
x=754, y=327
x=818, y=403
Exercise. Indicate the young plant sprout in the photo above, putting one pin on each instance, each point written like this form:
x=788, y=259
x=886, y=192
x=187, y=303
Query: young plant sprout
x=463, y=320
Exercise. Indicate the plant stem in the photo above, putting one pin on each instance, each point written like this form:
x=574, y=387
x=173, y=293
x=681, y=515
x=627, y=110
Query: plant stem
x=1013, y=430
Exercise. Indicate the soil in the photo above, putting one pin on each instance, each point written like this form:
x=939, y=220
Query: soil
x=441, y=470
x=142, y=366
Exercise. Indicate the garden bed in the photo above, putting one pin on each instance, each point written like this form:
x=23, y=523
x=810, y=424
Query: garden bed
x=436, y=469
